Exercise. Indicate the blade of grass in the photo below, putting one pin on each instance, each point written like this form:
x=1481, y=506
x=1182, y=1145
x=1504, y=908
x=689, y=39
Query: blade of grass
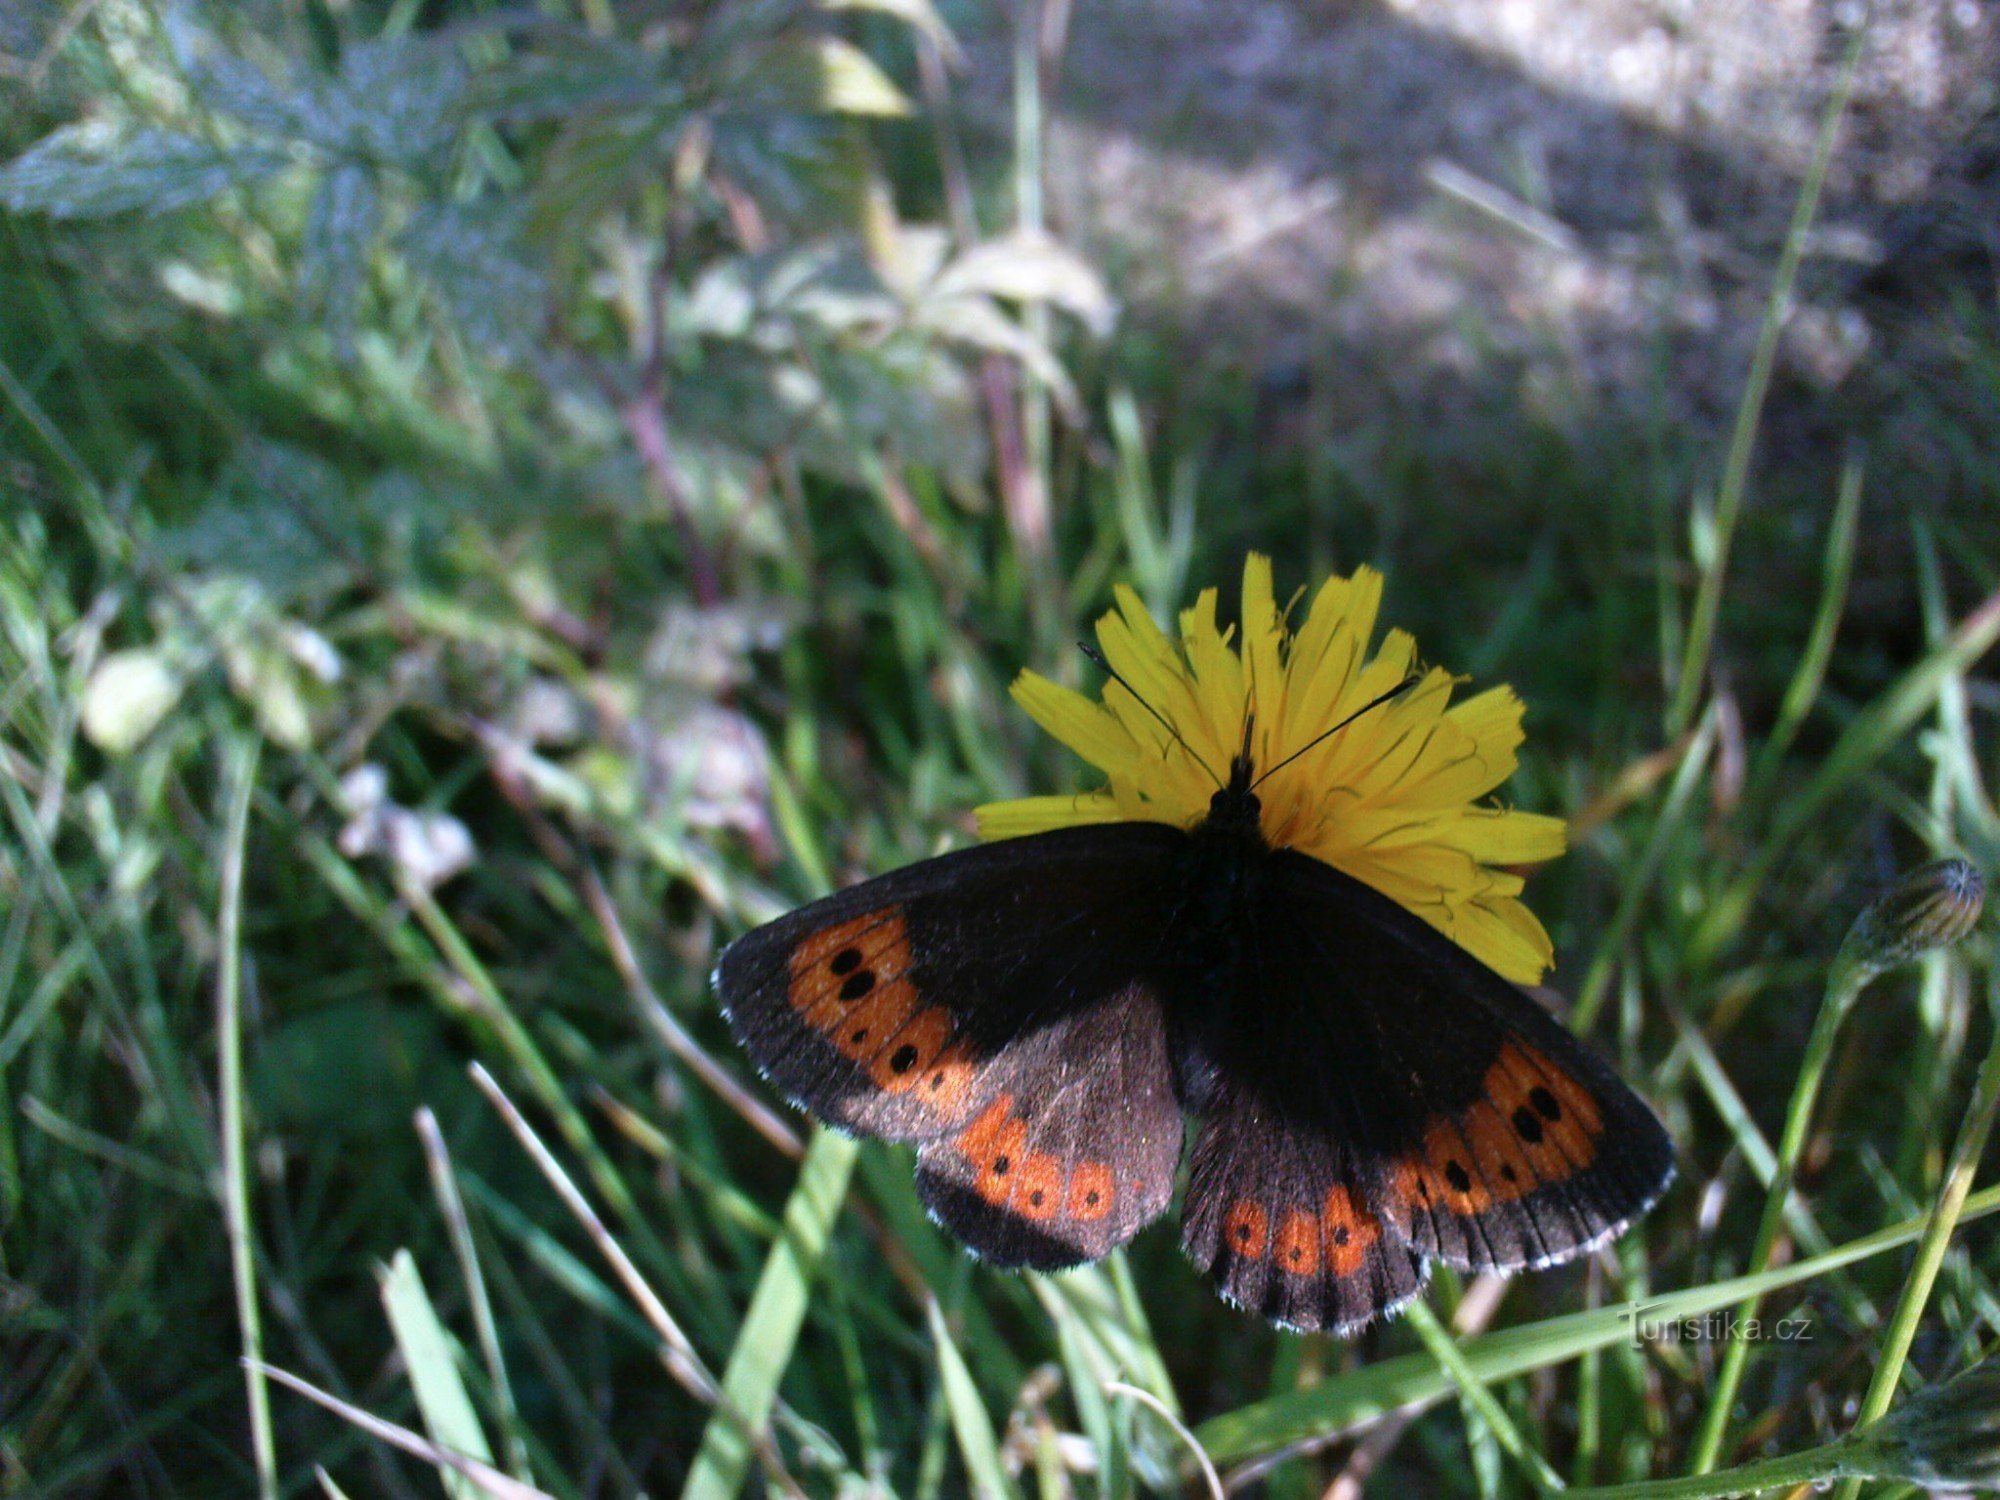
x=427, y=1357
x=1086, y=1388
x=1448, y=1355
x=526, y=1054
x=667, y=1027
x=1095, y=1307
x=563, y=1268
x=545, y=1333
x=1735, y=1114
x=770, y=1328
x=1388, y=1384
x=1861, y=744
x=1836, y=568
x=240, y=778
x=45, y=428
x=1642, y=878
x=115, y=1153
x=1844, y=985
x=685, y=1362
x=969, y=1422
x=1958, y=778
x=1158, y=547
x=1750, y=410
x=502, y=1486
x=1028, y=508
x=1203, y=1463
x=1100, y=1297
x=444, y=1184
x=1942, y=1220
x=452, y=972
x=1814, y=1469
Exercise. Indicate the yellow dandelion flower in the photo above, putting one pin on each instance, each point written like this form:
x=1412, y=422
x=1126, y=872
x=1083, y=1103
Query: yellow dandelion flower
x=1393, y=799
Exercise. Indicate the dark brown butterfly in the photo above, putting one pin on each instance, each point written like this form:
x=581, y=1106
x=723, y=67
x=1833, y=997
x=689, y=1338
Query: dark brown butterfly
x=1039, y=1014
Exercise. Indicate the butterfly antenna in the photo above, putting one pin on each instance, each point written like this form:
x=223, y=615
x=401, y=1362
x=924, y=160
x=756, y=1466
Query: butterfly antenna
x=1395, y=692
x=1249, y=711
x=1097, y=656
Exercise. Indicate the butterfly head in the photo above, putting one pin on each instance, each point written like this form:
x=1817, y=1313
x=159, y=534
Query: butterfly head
x=1235, y=809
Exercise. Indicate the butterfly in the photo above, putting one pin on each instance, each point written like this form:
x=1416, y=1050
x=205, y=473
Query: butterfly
x=1039, y=1016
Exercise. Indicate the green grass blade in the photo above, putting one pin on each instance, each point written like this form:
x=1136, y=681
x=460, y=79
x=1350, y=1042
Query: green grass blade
x=427, y=1355
x=1643, y=880
x=491, y=1480
x=444, y=1184
x=770, y=1328
x=1873, y=731
x=1086, y=1391
x=1472, y=1391
x=1750, y=411
x=1835, y=572
x=969, y=1422
x=1114, y=1328
x=1097, y=1309
x=1337, y=1404
x=241, y=780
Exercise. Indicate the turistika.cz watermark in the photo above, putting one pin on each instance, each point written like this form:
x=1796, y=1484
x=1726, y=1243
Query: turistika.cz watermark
x=1717, y=1328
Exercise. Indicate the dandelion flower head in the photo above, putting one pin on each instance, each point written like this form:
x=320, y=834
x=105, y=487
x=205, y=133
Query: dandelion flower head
x=1398, y=798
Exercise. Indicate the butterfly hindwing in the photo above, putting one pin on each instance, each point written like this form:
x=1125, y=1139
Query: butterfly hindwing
x=1074, y=1150
x=1494, y=1139
x=1277, y=1212
x=892, y=1008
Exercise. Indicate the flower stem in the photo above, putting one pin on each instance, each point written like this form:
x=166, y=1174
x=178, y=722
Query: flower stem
x=1845, y=982
x=1972, y=1136
x=1815, y=1466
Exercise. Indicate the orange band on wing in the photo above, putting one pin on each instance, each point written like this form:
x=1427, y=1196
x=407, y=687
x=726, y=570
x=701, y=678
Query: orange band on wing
x=1347, y=1229
x=847, y=965
x=853, y=984
x=1247, y=1228
x=1033, y=1184
x=1532, y=1125
x=995, y=1145
x=1295, y=1248
x=1038, y=1189
x=1090, y=1190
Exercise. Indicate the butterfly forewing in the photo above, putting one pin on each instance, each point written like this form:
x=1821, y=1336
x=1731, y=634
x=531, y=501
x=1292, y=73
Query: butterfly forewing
x=889, y=1008
x=1494, y=1139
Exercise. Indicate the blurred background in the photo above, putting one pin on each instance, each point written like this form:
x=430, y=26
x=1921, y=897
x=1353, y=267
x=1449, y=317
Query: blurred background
x=494, y=499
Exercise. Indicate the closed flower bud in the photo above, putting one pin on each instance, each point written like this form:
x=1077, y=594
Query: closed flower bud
x=1946, y=1436
x=1932, y=907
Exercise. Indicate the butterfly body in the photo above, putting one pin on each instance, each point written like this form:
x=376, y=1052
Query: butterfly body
x=1215, y=880
x=1039, y=1014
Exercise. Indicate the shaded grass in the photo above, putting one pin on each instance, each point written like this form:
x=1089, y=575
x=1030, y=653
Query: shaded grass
x=332, y=933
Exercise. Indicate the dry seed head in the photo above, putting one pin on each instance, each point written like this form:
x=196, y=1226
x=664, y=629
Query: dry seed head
x=1946, y=1435
x=1933, y=906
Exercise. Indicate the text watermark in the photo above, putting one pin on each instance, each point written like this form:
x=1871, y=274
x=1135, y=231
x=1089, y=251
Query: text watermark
x=1728, y=1326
